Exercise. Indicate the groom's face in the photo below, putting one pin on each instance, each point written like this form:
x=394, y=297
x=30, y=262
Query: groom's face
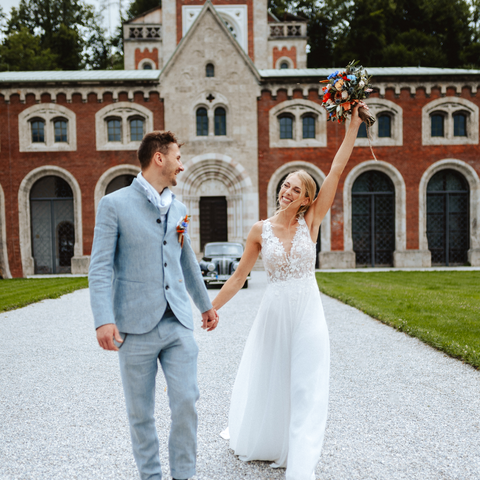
x=172, y=164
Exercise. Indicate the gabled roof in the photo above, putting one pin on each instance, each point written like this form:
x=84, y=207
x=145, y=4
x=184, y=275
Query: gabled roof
x=208, y=7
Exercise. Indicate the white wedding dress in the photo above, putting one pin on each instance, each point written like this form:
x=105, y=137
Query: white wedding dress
x=280, y=397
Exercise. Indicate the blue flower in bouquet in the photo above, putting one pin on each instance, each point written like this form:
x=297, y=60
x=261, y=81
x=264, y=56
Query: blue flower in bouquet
x=351, y=77
x=333, y=75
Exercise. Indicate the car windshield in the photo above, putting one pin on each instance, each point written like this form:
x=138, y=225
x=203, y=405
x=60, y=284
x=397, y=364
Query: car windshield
x=224, y=249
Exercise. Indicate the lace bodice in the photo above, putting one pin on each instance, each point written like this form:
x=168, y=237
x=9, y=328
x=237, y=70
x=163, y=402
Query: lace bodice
x=298, y=264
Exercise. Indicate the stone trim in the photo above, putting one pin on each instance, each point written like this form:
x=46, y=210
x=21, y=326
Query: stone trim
x=242, y=200
x=4, y=266
x=448, y=106
x=378, y=106
x=201, y=102
x=400, y=202
x=236, y=15
x=279, y=61
x=37, y=92
x=474, y=183
x=124, y=111
x=24, y=223
x=108, y=176
x=318, y=175
x=273, y=88
x=298, y=108
x=48, y=112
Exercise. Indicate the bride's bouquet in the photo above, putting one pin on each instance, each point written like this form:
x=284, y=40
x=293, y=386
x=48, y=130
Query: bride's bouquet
x=344, y=90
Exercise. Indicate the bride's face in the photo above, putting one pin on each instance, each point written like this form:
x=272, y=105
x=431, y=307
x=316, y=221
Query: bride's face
x=291, y=195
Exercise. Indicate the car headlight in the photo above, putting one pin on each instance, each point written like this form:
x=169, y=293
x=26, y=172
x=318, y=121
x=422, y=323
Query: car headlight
x=211, y=267
x=234, y=266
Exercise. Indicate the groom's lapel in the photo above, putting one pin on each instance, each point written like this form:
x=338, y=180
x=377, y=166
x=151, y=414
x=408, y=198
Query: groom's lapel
x=173, y=217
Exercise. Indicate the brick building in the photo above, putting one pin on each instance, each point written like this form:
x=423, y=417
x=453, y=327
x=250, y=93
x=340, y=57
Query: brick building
x=231, y=80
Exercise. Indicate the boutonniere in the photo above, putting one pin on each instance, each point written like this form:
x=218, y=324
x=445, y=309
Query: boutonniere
x=182, y=226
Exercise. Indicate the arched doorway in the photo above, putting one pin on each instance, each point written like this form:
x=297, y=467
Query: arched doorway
x=52, y=220
x=319, y=239
x=373, y=219
x=448, y=198
x=119, y=182
x=218, y=191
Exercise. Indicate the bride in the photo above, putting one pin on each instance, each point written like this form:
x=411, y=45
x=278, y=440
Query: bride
x=279, y=402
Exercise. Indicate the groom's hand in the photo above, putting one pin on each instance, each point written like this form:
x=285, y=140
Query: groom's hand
x=210, y=320
x=105, y=335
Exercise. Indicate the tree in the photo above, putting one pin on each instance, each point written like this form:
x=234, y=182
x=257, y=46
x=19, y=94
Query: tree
x=22, y=51
x=440, y=33
x=69, y=29
x=137, y=7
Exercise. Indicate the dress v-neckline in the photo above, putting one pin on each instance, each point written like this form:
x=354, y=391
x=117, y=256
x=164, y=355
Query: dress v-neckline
x=287, y=254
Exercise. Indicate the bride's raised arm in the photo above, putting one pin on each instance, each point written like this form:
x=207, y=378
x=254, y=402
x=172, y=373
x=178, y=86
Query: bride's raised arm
x=249, y=257
x=324, y=200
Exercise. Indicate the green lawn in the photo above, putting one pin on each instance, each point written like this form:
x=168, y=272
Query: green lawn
x=440, y=308
x=18, y=292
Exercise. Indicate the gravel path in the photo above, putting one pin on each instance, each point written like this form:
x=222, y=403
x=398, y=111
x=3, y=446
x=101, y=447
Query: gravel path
x=398, y=409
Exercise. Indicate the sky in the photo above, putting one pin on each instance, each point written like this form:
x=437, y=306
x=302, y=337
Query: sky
x=111, y=18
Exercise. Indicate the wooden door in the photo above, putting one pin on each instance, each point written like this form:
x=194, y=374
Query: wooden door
x=213, y=220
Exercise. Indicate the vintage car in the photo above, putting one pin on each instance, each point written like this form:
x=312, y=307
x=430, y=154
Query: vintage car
x=220, y=261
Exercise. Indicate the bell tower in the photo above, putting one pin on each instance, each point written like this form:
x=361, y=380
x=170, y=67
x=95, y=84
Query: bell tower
x=142, y=39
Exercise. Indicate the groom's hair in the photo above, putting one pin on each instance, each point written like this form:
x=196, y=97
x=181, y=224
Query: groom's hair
x=153, y=142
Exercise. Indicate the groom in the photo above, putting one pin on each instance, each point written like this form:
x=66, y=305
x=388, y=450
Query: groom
x=139, y=277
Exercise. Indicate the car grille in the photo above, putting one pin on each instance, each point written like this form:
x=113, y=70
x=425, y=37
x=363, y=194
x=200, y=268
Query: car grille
x=223, y=266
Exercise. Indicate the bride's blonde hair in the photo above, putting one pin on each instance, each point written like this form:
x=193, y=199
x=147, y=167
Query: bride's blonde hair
x=309, y=189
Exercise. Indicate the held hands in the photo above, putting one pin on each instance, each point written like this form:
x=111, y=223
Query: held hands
x=106, y=334
x=210, y=320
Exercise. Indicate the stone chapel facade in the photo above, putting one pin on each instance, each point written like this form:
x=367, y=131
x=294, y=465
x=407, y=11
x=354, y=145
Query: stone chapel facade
x=230, y=80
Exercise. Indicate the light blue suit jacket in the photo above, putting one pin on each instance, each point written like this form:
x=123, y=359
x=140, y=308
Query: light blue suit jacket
x=137, y=265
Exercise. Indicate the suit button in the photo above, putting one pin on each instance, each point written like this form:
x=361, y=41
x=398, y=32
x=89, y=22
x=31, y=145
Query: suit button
x=165, y=264
x=167, y=287
x=164, y=242
x=158, y=220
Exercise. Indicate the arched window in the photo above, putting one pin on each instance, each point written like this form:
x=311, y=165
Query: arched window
x=284, y=66
x=373, y=219
x=52, y=220
x=459, y=125
x=119, y=182
x=147, y=66
x=384, y=126
x=308, y=124
x=114, y=126
x=136, y=129
x=202, y=122
x=210, y=70
x=286, y=126
x=448, y=222
x=60, y=127
x=438, y=125
x=38, y=130
x=362, y=131
x=220, y=121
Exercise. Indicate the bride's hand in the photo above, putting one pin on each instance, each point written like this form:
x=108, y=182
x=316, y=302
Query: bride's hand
x=210, y=320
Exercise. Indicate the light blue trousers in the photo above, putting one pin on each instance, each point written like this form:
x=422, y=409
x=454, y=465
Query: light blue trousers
x=174, y=346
